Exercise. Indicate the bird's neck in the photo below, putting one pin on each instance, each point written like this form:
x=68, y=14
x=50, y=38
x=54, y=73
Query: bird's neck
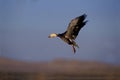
x=61, y=35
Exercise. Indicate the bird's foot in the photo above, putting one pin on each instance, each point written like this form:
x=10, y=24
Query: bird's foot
x=74, y=50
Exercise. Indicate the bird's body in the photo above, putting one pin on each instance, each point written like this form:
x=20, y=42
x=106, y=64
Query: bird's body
x=72, y=31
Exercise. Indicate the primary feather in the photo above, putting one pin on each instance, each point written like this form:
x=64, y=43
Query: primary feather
x=74, y=26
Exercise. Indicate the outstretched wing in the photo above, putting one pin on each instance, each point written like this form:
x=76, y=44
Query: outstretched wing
x=74, y=26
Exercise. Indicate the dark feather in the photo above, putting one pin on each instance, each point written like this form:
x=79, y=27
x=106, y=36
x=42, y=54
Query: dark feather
x=75, y=26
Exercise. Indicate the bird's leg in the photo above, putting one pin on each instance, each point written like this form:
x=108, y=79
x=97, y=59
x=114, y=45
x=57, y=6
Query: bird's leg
x=74, y=50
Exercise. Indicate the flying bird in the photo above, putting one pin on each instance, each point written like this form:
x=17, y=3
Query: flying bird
x=72, y=31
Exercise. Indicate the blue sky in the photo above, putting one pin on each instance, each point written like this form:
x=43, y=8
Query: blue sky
x=26, y=24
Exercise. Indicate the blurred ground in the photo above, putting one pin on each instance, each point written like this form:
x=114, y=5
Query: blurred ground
x=59, y=69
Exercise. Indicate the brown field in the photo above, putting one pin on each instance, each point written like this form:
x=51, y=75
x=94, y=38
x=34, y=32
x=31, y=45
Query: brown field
x=59, y=69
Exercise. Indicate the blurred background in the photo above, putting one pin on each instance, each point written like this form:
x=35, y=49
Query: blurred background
x=26, y=24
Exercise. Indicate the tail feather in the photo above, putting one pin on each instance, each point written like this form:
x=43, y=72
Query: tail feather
x=75, y=44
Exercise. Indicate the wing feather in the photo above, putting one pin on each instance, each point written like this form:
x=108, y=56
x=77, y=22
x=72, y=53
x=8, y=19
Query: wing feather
x=74, y=26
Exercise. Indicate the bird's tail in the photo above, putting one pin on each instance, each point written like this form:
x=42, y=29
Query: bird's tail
x=75, y=44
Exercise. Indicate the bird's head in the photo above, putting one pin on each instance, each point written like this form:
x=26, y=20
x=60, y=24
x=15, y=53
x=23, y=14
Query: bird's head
x=53, y=35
